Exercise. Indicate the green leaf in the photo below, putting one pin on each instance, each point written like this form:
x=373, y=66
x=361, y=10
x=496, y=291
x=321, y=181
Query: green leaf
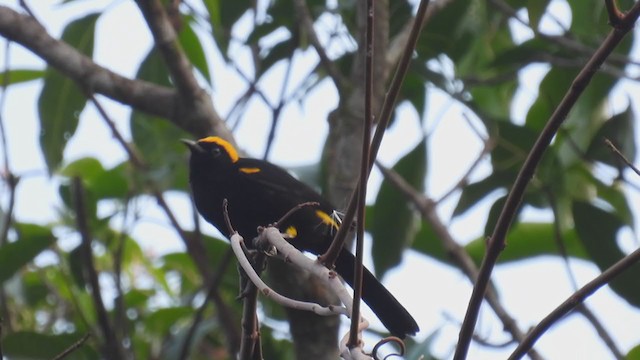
x=598, y=231
x=528, y=240
x=137, y=298
x=394, y=222
x=634, y=353
x=18, y=76
x=428, y=243
x=530, y=51
x=423, y=349
x=193, y=48
x=536, y=8
x=173, y=347
x=102, y=183
x=281, y=51
x=61, y=101
x=34, y=288
x=620, y=130
x=274, y=346
x=156, y=138
x=400, y=13
x=223, y=15
x=414, y=91
x=512, y=146
x=494, y=214
x=77, y=261
x=449, y=32
x=33, y=346
x=32, y=240
x=162, y=320
x=473, y=193
x=551, y=91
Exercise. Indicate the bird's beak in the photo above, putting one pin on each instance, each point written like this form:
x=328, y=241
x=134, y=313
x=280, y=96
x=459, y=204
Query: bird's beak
x=192, y=145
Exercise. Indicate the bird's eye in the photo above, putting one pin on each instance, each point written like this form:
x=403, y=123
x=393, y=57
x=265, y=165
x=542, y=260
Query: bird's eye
x=216, y=152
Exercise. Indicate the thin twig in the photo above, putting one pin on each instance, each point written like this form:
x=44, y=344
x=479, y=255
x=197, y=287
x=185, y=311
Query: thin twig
x=369, y=48
x=489, y=145
x=582, y=308
x=615, y=16
x=250, y=340
x=621, y=155
x=600, y=329
x=306, y=23
x=120, y=316
x=1, y=337
x=167, y=42
x=574, y=300
x=565, y=41
x=128, y=148
x=509, y=211
x=5, y=84
x=12, y=183
x=331, y=254
x=111, y=344
x=459, y=255
x=295, y=209
x=194, y=248
x=76, y=345
x=277, y=111
x=194, y=244
x=199, y=315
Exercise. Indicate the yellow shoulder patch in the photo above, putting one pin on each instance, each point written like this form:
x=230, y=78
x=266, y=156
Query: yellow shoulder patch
x=327, y=219
x=291, y=231
x=233, y=154
x=249, y=170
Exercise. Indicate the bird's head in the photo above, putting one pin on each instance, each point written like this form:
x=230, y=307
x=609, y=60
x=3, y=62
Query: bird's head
x=212, y=150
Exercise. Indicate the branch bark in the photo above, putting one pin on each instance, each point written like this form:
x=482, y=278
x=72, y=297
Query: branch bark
x=196, y=115
x=497, y=241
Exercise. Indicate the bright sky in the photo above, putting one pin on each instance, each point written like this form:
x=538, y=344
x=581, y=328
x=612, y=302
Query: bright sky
x=529, y=290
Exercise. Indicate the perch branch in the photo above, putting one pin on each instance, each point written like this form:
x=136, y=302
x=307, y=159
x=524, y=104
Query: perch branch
x=497, y=240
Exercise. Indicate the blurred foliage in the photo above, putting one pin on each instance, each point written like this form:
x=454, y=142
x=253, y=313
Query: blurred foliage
x=467, y=50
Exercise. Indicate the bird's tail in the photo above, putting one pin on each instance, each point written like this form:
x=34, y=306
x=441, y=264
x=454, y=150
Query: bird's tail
x=390, y=312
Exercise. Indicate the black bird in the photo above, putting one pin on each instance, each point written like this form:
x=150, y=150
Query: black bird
x=260, y=193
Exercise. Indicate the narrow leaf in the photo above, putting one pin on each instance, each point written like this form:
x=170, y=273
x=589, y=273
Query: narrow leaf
x=32, y=240
x=18, y=76
x=193, y=48
x=61, y=101
x=394, y=222
x=598, y=231
x=35, y=346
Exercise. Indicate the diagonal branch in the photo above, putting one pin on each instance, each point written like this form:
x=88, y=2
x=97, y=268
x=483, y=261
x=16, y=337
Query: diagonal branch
x=166, y=41
x=112, y=349
x=497, y=240
x=574, y=300
x=385, y=117
x=427, y=210
x=196, y=116
x=306, y=23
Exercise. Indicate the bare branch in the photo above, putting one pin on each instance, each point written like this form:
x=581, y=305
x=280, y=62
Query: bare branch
x=497, y=240
x=459, y=255
x=76, y=345
x=306, y=23
x=615, y=16
x=383, y=120
x=166, y=41
x=574, y=300
x=112, y=349
x=369, y=48
x=621, y=155
x=196, y=116
x=212, y=290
